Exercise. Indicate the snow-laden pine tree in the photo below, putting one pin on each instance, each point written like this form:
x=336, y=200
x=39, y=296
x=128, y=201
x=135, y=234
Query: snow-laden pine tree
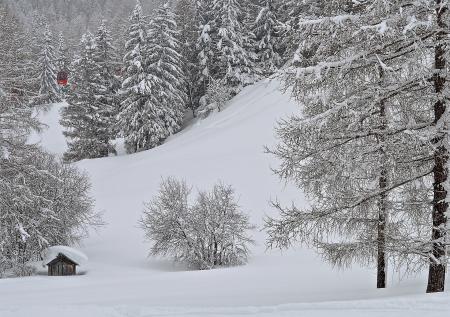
x=248, y=18
x=232, y=58
x=205, y=47
x=38, y=24
x=166, y=64
x=187, y=18
x=87, y=130
x=140, y=118
x=62, y=54
x=291, y=11
x=17, y=63
x=48, y=88
x=266, y=29
x=371, y=136
x=107, y=94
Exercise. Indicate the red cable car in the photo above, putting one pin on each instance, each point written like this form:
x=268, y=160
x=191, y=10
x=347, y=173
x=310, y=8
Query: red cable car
x=62, y=78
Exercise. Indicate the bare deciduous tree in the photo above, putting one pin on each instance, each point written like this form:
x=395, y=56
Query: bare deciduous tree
x=210, y=233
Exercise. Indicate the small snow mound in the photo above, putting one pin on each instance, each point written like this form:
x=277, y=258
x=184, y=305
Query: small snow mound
x=51, y=253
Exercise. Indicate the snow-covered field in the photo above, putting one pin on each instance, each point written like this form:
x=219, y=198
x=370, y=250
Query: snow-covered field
x=120, y=280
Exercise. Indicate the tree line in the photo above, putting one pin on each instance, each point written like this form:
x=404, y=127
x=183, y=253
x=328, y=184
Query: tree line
x=192, y=56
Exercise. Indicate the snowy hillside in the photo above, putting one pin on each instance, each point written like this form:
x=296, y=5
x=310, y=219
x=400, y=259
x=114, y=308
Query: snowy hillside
x=121, y=281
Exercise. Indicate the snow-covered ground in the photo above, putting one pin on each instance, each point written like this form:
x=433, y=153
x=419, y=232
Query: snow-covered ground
x=121, y=280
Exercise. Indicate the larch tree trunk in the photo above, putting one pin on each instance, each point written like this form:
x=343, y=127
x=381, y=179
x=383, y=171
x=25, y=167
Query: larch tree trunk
x=381, y=227
x=381, y=256
x=382, y=203
x=436, y=276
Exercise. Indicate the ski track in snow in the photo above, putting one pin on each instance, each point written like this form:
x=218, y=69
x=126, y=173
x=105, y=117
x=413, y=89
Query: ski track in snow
x=120, y=281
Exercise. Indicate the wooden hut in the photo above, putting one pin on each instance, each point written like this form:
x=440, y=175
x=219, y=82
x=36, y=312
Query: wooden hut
x=62, y=266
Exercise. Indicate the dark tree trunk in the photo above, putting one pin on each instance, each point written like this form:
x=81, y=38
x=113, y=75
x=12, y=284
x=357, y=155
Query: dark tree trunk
x=382, y=208
x=436, y=275
x=215, y=255
x=382, y=218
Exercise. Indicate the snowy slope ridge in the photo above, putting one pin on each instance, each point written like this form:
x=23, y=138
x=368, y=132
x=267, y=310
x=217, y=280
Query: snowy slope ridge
x=121, y=281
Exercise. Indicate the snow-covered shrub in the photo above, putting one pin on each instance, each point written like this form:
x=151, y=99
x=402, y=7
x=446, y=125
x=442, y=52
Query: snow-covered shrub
x=212, y=232
x=217, y=94
x=23, y=270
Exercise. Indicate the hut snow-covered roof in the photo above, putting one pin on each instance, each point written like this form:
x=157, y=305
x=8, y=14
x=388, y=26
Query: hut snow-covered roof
x=72, y=254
